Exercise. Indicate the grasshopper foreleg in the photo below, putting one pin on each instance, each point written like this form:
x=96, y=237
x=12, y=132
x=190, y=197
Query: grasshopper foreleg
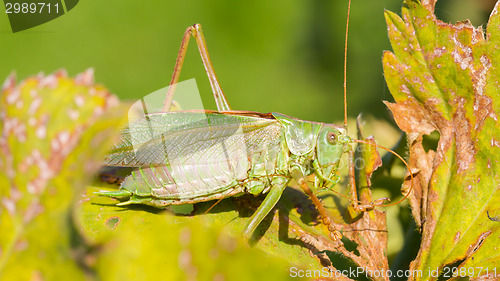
x=356, y=204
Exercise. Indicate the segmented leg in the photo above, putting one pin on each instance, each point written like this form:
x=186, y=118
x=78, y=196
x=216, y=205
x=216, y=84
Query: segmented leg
x=197, y=33
x=300, y=178
x=274, y=195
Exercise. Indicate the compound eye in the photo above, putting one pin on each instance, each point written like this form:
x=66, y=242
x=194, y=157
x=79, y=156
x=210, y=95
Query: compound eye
x=331, y=137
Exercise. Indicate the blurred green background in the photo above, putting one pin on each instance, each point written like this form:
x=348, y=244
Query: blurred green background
x=282, y=56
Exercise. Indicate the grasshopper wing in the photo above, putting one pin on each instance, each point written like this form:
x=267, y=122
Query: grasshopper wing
x=192, y=137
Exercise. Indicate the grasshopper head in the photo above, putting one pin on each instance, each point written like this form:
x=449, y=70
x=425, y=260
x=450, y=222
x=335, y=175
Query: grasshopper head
x=331, y=145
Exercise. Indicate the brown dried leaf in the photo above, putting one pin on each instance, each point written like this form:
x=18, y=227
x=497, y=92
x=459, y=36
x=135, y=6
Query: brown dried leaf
x=445, y=78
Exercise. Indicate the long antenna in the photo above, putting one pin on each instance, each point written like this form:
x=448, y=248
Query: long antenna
x=345, y=63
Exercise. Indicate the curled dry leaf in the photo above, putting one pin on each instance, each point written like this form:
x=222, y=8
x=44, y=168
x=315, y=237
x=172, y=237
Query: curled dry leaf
x=445, y=78
x=369, y=230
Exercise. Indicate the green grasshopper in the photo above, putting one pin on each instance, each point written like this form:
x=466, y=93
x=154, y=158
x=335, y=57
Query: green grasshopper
x=185, y=157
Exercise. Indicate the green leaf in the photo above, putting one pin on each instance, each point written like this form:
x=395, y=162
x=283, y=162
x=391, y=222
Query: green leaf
x=55, y=132
x=144, y=243
x=445, y=78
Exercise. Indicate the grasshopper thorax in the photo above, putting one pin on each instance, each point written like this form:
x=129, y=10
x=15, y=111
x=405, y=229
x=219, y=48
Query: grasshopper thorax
x=324, y=143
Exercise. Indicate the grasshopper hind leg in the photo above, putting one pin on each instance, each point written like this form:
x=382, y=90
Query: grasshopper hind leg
x=196, y=32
